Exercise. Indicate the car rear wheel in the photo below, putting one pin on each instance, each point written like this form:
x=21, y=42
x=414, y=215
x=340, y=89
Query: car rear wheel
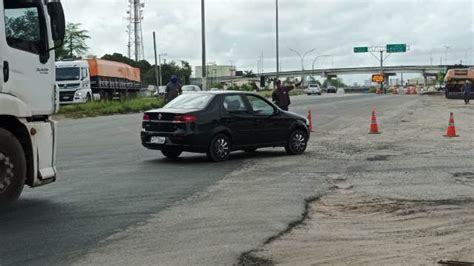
x=297, y=142
x=219, y=148
x=171, y=153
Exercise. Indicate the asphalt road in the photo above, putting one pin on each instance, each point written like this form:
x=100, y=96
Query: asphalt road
x=108, y=182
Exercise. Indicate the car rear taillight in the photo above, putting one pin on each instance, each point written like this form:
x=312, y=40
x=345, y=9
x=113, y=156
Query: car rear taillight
x=146, y=118
x=185, y=118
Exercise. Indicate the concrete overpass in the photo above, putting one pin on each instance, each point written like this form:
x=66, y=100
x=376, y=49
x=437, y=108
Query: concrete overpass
x=430, y=70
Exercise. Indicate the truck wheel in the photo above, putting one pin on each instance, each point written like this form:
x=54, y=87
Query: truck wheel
x=12, y=168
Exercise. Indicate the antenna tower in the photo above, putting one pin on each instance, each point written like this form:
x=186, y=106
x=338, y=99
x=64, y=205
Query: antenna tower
x=134, y=29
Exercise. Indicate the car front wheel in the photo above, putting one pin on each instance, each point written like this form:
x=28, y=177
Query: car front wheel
x=297, y=142
x=171, y=153
x=219, y=148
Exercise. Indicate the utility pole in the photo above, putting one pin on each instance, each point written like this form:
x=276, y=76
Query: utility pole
x=156, y=63
x=161, y=77
x=203, y=39
x=277, y=44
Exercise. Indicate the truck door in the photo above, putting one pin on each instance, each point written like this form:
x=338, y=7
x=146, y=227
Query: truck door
x=26, y=62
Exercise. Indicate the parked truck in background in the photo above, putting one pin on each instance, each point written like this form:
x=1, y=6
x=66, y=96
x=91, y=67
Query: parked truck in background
x=74, y=82
x=29, y=31
x=455, y=79
x=79, y=81
x=113, y=80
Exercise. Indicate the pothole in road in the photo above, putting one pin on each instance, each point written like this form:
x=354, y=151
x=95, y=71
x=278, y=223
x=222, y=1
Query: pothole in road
x=378, y=158
x=465, y=178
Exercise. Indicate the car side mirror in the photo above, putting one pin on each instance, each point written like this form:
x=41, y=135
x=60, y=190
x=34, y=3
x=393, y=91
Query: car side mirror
x=58, y=22
x=276, y=112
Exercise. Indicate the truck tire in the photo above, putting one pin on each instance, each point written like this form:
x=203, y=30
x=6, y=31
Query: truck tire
x=12, y=168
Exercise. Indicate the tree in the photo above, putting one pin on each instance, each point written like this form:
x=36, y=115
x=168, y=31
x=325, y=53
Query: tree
x=74, y=42
x=24, y=27
x=148, y=71
x=249, y=74
x=338, y=83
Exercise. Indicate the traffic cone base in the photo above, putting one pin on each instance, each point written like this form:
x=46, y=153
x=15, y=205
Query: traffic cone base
x=451, y=131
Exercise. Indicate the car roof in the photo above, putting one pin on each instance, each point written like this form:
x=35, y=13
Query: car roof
x=222, y=92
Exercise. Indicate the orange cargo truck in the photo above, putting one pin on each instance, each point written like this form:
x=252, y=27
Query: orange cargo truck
x=455, y=79
x=113, y=80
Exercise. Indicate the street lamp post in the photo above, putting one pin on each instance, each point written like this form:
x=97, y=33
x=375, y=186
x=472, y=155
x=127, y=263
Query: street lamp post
x=159, y=61
x=203, y=39
x=315, y=59
x=302, y=61
x=446, y=54
x=277, y=44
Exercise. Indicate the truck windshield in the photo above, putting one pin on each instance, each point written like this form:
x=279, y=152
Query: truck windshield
x=68, y=73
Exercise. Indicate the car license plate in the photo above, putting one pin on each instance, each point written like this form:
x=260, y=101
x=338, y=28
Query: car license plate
x=157, y=140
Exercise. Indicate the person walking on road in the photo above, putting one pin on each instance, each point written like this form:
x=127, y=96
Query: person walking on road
x=173, y=89
x=467, y=88
x=281, y=95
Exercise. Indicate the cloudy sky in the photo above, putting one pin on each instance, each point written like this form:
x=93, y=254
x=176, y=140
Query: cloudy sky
x=240, y=30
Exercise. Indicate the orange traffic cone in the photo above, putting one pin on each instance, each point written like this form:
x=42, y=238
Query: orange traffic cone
x=374, y=128
x=310, y=121
x=451, y=132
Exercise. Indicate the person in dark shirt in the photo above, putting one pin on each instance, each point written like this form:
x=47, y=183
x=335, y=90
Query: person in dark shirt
x=173, y=89
x=467, y=88
x=281, y=95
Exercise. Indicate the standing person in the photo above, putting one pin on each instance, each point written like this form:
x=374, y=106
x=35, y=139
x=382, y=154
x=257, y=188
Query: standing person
x=281, y=95
x=467, y=88
x=173, y=89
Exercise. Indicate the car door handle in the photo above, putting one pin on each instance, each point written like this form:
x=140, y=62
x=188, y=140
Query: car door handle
x=6, y=71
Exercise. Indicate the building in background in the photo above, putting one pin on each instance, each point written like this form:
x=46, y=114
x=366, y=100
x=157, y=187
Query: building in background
x=216, y=71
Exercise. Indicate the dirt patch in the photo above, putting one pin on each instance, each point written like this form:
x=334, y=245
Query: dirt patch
x=356, y=228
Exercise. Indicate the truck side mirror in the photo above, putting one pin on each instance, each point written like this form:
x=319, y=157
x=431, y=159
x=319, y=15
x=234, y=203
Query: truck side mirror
x=58, y=22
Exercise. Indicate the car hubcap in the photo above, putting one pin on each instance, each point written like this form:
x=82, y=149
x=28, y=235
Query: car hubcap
x=299, y=142
x=6, y=172
x=222, y=148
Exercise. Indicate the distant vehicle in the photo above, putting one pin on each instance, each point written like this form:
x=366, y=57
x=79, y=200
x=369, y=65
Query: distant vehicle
x=160, y=92
x=220, y=122
x=331, y=89
x=190, y=88
x=313, y=89
x=74, y=82
x=455, y=79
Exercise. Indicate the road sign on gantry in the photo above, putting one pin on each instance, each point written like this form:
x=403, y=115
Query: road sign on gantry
x=361, y=49
x=396, y=48
x=379, y=78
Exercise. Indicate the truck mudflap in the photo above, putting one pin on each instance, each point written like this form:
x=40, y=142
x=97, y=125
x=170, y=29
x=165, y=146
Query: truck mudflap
x=43, y=139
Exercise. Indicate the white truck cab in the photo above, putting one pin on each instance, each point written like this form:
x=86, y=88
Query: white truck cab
x=29, y=32
x=74, y=81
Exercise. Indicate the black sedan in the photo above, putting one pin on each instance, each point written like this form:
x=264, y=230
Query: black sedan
x=219, y=122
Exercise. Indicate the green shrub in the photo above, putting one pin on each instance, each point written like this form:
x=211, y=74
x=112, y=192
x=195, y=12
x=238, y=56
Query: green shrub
x=372, y=90
x=93, y=109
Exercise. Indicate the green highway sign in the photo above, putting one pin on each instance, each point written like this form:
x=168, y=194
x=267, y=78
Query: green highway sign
x=396, y=48
x=361, y=49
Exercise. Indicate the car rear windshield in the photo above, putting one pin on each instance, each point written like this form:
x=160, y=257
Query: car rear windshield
x=190, y=101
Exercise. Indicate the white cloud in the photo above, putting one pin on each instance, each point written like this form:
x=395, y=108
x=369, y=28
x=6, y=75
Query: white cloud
x=240, y=30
